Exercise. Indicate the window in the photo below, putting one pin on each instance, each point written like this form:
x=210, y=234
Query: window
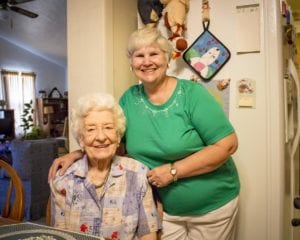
x=17, y=88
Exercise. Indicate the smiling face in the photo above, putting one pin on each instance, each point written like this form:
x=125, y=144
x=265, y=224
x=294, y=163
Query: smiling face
x=149, y=64
x=100, y=137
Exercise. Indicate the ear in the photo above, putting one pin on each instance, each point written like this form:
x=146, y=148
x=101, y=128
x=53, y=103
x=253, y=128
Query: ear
x=81, y=143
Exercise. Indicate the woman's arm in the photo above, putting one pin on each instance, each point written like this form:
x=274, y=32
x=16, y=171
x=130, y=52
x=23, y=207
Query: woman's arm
x=149, y=216
x=208, y=159
x=204, y=161
x=63, y=163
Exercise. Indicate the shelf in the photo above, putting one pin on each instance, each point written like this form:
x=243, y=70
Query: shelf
x=55, y=110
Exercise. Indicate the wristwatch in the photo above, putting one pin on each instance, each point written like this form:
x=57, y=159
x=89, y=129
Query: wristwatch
x=173, y=172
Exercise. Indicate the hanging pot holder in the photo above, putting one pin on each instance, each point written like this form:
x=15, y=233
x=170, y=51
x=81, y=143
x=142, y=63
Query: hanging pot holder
x=207, y=54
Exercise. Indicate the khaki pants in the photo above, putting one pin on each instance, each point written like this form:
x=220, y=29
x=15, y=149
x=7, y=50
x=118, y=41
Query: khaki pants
x=216, y=225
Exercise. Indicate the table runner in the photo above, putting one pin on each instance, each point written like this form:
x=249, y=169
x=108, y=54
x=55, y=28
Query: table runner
x=31, y=231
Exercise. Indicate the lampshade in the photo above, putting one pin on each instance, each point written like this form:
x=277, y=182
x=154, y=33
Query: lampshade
x=48, y=110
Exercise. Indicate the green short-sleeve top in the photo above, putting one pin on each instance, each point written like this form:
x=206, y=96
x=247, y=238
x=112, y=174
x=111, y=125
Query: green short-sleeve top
x=158, y=134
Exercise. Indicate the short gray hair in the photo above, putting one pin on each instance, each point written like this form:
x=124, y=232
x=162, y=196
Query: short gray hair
x=147, y=36
x=99, y=102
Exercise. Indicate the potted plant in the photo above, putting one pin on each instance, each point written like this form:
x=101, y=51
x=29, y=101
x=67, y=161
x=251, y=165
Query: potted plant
x=29, y=129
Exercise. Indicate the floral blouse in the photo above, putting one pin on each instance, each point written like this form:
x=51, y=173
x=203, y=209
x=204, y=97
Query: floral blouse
x=124, y=210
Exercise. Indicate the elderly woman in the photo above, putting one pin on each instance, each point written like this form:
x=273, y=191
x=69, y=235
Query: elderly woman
x=103, y=194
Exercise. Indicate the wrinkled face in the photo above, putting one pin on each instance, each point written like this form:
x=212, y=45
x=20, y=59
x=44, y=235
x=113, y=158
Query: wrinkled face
x=100, y=137
x=149, y=64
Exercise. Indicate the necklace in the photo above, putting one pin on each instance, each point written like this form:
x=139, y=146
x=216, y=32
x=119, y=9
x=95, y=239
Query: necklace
x=104, y=181
x=173, y=102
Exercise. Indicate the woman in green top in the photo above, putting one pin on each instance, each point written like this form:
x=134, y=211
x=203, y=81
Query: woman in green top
x=181, y=133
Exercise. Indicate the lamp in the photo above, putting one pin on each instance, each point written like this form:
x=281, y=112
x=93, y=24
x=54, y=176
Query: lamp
x=48, y=110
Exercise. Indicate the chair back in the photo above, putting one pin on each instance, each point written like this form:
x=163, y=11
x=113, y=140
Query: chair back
x=16, y=209
x=48, y=212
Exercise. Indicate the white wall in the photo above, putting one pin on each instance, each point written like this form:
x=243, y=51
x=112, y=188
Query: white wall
x=97, y=34
x=48, y=74
x=121, y=74
x=88, y=59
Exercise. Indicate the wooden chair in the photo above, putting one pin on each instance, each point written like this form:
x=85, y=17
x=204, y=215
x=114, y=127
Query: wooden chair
x=48, y=212
x=15, y=210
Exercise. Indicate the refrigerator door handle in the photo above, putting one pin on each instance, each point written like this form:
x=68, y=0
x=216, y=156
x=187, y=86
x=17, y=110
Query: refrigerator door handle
x=293, y=72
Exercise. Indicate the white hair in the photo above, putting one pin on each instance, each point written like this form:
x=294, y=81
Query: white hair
x=147, y=36
x=99, y=102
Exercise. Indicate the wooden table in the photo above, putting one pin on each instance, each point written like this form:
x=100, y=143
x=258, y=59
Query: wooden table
x=7, y=221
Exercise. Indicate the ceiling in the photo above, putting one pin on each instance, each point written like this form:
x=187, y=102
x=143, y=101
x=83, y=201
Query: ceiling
x=44, y=35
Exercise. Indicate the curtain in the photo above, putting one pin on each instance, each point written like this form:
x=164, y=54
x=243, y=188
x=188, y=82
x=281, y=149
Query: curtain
x=19, y=88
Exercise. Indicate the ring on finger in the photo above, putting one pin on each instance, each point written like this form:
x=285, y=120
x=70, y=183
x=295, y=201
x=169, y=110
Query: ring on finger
x=154, y=183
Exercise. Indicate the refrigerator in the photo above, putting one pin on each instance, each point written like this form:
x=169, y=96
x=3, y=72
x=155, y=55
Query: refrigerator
x=292, y=133
x=291, y=89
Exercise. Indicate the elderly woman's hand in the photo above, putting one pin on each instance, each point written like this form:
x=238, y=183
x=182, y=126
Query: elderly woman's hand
x=160, y=176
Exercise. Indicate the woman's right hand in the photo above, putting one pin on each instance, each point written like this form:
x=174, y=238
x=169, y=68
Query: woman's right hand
x=63, y=163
